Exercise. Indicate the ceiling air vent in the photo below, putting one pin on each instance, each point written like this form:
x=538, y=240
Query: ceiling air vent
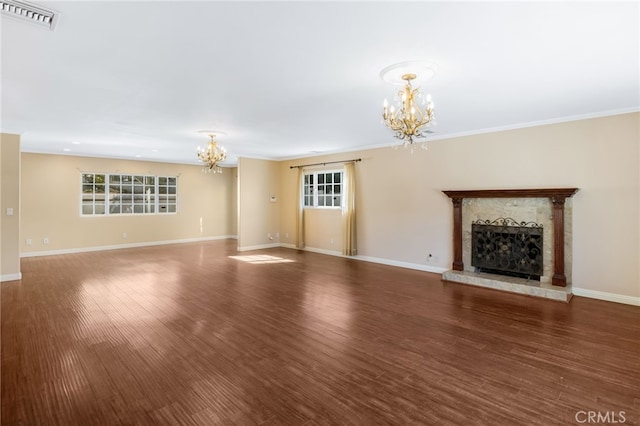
x=37, y=15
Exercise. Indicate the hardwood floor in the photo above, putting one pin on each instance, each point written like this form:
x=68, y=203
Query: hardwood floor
x=198, y=334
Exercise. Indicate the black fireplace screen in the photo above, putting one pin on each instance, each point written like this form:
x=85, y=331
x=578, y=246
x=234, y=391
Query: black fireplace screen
x=507, y=247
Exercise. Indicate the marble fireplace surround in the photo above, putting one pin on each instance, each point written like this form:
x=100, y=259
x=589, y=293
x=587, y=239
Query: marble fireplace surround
x=549, y=207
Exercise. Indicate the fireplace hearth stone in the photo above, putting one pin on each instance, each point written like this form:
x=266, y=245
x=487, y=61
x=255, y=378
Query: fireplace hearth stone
x=510, y=284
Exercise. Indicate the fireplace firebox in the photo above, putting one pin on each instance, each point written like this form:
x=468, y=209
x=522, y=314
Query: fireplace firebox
x=504, y=246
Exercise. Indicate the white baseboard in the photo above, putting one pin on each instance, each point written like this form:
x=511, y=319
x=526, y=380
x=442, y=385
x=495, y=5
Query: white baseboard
x=259, y=247
x=609, y=297
x=325, y=251
x=11, y=277
x=408, y=265
x=123, y=246
x=417, y=266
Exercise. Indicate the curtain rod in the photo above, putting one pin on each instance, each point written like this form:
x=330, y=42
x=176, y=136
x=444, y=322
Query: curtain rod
x=355, y=160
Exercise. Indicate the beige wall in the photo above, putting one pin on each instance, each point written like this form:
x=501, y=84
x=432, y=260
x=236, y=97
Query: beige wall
x=10, y=198
x=323, y=229
x=51, y=205
x=288, y=200
x=258, y=217
x=233, y=201
x=403, y=215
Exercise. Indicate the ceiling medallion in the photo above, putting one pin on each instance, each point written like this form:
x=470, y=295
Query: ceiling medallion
x=213, y=154
x=412, y=113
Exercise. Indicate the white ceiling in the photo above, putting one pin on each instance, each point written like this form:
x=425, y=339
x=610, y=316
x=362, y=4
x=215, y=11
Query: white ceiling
x=292, y=79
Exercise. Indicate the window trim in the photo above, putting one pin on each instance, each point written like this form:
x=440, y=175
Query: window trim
x=315, y=194
x=107, y=184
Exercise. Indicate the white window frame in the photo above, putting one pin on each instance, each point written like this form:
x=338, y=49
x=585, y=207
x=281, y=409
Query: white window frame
x=314, y=193
x=134, y=200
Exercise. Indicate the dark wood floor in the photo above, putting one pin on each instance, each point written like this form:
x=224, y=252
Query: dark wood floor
x=186, y=334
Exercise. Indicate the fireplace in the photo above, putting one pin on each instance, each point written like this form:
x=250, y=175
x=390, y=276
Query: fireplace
x=534, y=259
x=506, y=247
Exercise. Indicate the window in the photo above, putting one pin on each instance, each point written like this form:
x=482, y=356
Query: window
x=323, y=189
x=112, y=194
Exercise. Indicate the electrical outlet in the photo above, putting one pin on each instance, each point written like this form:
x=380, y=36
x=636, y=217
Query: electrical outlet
x=286, y=235
x=45, y=240
x=277, y=235
x=28, y=241
x=124, y=235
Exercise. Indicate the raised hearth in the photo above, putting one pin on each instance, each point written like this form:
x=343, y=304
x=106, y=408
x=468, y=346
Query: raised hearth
x=511, y=284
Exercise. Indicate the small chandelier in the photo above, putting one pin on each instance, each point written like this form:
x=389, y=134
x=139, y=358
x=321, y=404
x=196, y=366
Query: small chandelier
x=413, y=113
x=212, y=155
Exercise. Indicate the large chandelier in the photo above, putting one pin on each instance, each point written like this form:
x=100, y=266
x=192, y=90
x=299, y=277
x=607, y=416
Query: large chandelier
x=413, y=113
x=212, y=155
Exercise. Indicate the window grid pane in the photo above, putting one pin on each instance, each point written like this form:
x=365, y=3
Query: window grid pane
x=167, y=200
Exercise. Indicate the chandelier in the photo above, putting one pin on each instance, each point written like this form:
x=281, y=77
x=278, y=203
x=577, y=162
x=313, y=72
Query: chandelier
x=413, y=113
x=212, y=155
